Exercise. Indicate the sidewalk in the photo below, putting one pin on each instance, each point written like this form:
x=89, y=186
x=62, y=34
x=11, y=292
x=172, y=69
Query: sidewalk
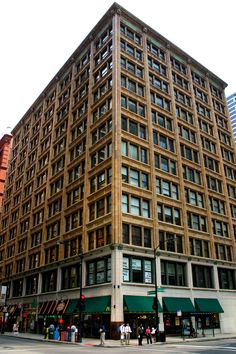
x=116, y=343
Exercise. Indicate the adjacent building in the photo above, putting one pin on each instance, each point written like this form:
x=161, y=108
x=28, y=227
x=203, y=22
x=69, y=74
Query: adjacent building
x=231, y=101
x=124, y=166
x=5, y=149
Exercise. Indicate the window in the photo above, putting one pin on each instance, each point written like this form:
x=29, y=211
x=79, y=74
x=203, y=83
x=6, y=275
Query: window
x=131, y=67
x=159, y=84
x=187, y=133
x=133, y=127
x=211, y=163
x=173, y=273
x=160, y=101
x=137, y=270
x=196, y=222
x=182, y=98
x=101, y=155
x=194, y=198
x=73, y=220
x=132, y=86
x=165, y=164
x=167, y=188
x=163, y=141
x=161, y=120
x=178, y=80
x=136, y=206
x=198, y=79
x=188, y=153
x=214, y=184
x=191, y=175
x=153, y=49
x=217, y=205
x=70, y=277
x=131, y=50
x=170, y=242
x=220, y=228
x=226, y=278
x=100, y=208
x=99, y=271
x=178, y=65
x=185, y=115
x=199, y=248
x=157, y=66
x=202, y=276
x=168, y=214
x=49, y=281
x=133, y=151
x=133, y=106
x=134, y=177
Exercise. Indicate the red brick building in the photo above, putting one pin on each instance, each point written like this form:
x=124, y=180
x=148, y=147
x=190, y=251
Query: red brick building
x=5, y=149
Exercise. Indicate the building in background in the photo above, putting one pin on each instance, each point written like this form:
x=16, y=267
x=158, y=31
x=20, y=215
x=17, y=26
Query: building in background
x=231, y=101
x=125, y=165
x=5, y=149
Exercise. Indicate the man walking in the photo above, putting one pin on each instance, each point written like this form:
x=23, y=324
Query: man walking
x=122, y=333
x=127, y=333
x=102, y=332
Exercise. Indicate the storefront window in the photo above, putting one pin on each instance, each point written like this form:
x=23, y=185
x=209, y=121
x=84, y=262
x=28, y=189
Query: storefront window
x=137, y=270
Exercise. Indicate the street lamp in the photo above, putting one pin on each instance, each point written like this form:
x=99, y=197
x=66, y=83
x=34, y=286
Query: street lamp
x=81, y=298
x=155, y=302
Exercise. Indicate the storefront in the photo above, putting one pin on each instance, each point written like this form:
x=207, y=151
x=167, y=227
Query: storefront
x=207, y=314
x=137, y=310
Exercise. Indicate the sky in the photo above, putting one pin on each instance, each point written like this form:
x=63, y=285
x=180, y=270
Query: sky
x=38, y=36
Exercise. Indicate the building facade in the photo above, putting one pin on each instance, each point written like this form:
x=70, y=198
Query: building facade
x=122, y=168
x=231, y=101
x=5, y=149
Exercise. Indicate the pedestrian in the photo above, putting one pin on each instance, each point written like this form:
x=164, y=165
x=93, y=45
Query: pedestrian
x=127, y=333
x=140, y=332
x=122, y=333
x=102, y=332
x=16, y=328
x=153, y=334
x=148, y=335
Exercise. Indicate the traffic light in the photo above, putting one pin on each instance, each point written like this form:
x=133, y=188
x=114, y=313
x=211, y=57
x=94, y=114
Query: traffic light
x=155, y=304
x=82, y=302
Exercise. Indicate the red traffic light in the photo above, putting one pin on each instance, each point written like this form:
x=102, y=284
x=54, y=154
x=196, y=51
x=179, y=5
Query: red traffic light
x=82, y=297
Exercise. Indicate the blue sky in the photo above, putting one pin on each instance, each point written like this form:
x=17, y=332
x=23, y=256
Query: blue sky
x=38, y=36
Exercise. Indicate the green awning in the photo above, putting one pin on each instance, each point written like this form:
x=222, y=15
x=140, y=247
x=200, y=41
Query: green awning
x=139, y=304
x=71, y=307
x=99, y=304
x=174, y=304
x=208, y=305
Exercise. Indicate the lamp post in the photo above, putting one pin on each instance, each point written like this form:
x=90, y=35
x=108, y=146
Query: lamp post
x=156, y=293
x=155, y=304
x=81, y=299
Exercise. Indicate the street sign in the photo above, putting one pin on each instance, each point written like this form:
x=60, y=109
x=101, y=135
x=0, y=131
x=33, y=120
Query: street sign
x=153, y=292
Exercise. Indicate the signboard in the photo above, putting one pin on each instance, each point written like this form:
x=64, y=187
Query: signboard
x=3, y=290
x=153, y=292
x=179, y=313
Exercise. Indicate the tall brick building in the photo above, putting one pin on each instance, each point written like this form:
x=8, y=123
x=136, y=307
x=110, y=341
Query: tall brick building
x=125, y=164
x=5, y=149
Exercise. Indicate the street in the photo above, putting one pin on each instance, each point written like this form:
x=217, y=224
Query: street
x=20, y=346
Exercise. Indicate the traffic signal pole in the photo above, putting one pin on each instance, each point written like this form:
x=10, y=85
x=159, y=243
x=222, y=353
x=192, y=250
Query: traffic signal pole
x=80, y=297
x=156, y=295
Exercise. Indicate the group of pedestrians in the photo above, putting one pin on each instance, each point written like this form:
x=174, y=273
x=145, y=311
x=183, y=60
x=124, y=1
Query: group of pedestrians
x=150, y=334
x=125, y=331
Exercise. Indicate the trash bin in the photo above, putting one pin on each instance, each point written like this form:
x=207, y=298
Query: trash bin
x=161, y=336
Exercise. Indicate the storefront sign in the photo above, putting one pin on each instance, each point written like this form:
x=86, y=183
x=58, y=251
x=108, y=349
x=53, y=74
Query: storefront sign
x=179, y=313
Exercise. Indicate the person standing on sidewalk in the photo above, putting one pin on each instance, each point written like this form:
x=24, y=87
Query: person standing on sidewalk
x=122, y=333
x=127, y=333
x=140, y=332
x=148, y=335
x=102, y=332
